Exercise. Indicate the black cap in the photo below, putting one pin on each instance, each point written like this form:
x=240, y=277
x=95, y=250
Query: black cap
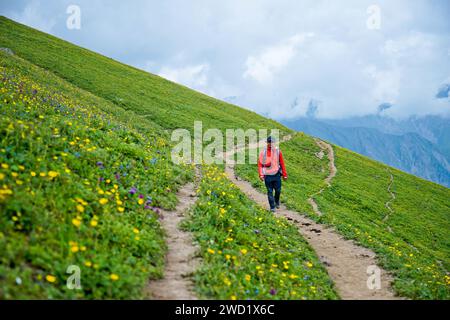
x=270, y=139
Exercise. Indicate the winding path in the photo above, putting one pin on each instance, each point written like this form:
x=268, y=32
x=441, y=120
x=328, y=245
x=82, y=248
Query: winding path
x=388, y=203
x=180, y=258
x=332, y=168
x=346, y=262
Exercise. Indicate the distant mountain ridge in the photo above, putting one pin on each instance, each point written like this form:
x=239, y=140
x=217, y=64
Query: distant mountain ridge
x=418, y=145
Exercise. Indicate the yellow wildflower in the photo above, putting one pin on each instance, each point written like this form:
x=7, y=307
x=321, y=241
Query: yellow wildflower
x=76, y=222
x=114, y=277
x=53, y=174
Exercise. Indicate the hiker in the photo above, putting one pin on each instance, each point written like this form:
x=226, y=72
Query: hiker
x=271, y=168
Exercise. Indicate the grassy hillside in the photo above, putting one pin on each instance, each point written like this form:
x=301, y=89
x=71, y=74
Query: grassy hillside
x=83, y=177
x=413, y=242
x=163, y=102
x=85, y=167
x=247, y=252
x=78, y=187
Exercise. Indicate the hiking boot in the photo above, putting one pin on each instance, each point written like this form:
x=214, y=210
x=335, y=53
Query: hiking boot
x=272, y=210
x=277, y=206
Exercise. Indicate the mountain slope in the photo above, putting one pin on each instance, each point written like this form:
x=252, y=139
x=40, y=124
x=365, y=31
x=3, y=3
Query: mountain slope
x=83, y=180
x=229, y=227
x=412, y=241
x=163, y=102
x=411, y=145
x=67, y=170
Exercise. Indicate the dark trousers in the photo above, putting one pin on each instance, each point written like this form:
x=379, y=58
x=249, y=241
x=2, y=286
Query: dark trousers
x=273, y=183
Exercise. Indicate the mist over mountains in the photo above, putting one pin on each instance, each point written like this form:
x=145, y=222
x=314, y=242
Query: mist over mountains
x=418, y=145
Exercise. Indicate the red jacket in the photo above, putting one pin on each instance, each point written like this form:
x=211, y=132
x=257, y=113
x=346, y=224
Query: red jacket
x=283, y=168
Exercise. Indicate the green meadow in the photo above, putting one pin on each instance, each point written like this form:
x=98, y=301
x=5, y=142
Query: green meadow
x=85, y=169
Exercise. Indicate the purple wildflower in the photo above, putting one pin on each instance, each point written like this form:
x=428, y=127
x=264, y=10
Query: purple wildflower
x=273, y=291
x=133, y=190
x=141, y=196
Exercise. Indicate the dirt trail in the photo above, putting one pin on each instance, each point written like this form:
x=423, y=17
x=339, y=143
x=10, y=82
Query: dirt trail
x=180, y=258
x=345, y=261
x=333, y=170
x=388, y=203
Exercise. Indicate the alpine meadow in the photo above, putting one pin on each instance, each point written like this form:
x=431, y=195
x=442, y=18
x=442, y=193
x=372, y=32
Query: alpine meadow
x=86, y=180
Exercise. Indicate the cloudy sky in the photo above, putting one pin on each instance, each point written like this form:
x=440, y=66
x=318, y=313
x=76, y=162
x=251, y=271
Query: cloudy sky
x=278, y=58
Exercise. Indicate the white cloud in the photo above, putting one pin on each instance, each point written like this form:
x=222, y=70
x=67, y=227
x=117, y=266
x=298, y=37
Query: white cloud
x=32, y=16
x=385, y=84
x=195, y=76
x=258, y=52
x=264, y=66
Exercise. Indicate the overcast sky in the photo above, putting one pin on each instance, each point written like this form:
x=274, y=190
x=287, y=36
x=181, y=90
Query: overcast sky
x=276, y=57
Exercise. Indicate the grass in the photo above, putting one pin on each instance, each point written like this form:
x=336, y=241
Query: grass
x=247, y=252
x=120, y=119
x=78, y=187
x=81, y=132
x=413, y=243
x=163, y=102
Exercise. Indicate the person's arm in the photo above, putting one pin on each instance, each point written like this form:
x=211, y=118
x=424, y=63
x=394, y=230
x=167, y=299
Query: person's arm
x=283, y=167
x=261, y=176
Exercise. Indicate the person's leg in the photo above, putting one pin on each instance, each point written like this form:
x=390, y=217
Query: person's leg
x=269, y=185
x=277, y=187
